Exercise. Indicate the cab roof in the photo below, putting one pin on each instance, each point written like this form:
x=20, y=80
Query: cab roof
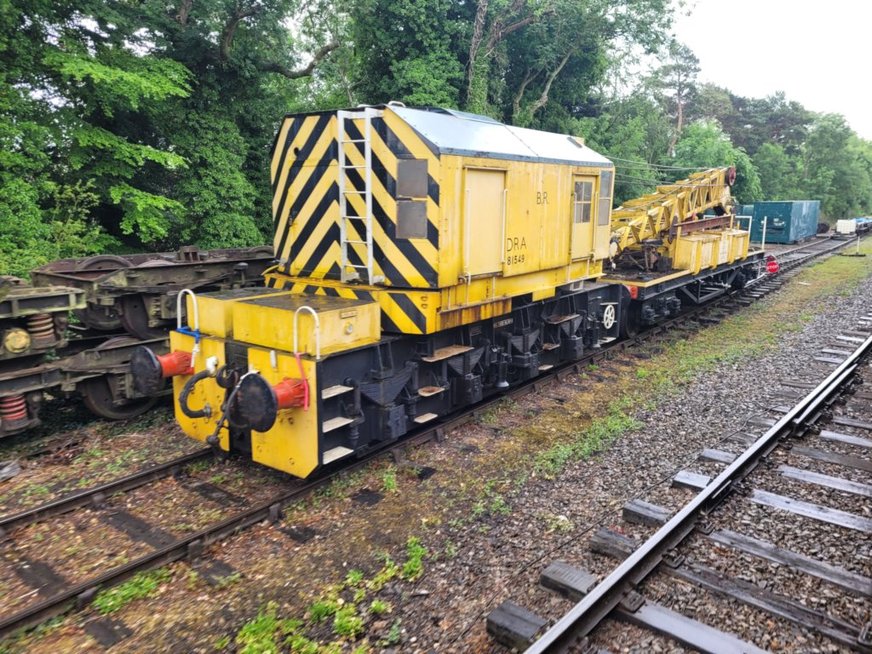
x=460, y=133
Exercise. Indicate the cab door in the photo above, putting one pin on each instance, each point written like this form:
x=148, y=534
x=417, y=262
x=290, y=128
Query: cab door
x=483, y=221
x=603, y=233
x=581, y=223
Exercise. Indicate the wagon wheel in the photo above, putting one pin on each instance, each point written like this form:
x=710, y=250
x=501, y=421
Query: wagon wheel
x=94, y=316
x=97, y=393
x=134, y=318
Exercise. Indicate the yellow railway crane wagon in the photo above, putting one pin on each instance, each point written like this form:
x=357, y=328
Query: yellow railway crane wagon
x=428, y=259
x=678, y=247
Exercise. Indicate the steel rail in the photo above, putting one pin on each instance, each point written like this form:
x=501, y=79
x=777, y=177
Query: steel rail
x=606, y=596
x=192, y=545
x=87, y=496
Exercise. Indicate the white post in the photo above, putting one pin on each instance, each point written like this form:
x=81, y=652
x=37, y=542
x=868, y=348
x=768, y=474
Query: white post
x=763, y=241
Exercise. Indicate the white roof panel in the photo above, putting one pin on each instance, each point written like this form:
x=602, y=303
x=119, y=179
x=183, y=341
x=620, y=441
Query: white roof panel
x=460, y=133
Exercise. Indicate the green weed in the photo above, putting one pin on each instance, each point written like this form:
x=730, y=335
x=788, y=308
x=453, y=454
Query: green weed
x=415, y=553
x=347, y=623
x=353, y=578
x=388, y=572
x=322, y=609
x=587, y=442
x=379, y=607
x=299, y=644
x=389, y=480
x=260, y=634
x=394, y=635
x=141, y=585
x=558, y=523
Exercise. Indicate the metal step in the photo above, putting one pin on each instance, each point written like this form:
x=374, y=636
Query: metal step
x=333, y=391
x=335, y=423
x=335, y=453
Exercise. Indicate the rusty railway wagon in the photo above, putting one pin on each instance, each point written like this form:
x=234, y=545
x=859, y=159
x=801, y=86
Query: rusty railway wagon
x=73, y=329
x=428, y=259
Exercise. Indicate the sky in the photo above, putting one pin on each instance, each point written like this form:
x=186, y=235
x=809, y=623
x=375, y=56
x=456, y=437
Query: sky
x=818, y=53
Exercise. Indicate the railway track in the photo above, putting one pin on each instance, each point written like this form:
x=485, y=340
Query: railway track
x=55, y=595
x=807, y=474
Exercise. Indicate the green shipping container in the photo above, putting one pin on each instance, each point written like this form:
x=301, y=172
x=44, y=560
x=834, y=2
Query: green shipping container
x=786, y=222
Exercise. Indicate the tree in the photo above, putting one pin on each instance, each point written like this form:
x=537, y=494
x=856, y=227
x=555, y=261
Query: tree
x=780, y=174
x=751, y=122
x=158, y=117
x=632, y=131
x=675, y=83
x=836, y=168
x=403, y=53
x=705, y=145
x=68, y=78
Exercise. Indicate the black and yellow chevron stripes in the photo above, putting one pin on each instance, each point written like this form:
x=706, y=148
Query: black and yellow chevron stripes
x=306, y=200
x=399, y=313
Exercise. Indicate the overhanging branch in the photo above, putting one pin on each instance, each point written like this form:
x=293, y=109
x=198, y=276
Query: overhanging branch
x=275, y=67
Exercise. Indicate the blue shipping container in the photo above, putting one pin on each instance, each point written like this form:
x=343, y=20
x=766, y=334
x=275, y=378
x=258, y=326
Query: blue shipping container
x=786, y=222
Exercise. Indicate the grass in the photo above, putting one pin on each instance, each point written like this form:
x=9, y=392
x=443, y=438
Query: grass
x=140, y=586
x=347, y=605
x=261, y=634
x=354, y=578
x=389, y=480
x=415, y=553
x=322, y=609
x=557, y=523
x=586, y=442
x=347, y=623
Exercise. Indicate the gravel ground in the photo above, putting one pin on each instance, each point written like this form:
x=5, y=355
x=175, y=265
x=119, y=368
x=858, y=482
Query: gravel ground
x=491, y=524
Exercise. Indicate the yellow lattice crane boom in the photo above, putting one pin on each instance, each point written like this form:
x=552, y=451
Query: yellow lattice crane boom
x=661, y=230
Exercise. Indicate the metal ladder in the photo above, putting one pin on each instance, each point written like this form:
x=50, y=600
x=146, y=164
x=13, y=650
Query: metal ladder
x=352, y=272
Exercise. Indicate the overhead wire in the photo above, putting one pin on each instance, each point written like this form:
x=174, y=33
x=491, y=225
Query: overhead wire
x=638, y=162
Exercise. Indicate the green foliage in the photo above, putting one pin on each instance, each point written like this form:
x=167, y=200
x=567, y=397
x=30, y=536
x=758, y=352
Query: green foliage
x=779, y=173
x=405, y=54
x=838, y=167
x=389, y=480
x=322, y=609
x=261, y=634
x=587, y=442
x=705, y=145
x=415, y=553
x=353, y=578
x=379, y=607
x=140, y=586
x=123, y=79
x=143, y=126
x=347, y=623
x=145, y=213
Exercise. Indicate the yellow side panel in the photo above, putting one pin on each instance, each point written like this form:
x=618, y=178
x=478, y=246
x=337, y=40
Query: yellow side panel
x=695, y=252
x=535, y=233
x=214, y=310
x=291, y=445
x=342, y=323
x=205, y=392
x=724, y=247
x=739, y=243
x=483, y=221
